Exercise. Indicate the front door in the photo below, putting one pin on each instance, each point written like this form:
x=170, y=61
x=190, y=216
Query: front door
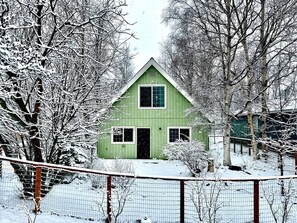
x=143, y=143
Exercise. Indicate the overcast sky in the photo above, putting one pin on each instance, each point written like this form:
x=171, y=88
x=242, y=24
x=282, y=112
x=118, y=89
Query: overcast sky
x=148, y=29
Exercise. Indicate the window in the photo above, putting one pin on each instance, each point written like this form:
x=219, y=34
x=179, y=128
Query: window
x=152, y=96
x=178, y=134
x=123, y=135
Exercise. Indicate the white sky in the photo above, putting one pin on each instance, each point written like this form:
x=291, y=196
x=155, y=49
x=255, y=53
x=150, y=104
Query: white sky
x=148, y=29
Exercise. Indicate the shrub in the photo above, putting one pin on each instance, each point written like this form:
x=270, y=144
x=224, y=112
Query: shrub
x=116, y=165
x=191, y=153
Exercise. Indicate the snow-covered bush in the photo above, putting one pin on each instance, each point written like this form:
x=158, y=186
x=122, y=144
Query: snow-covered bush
x=74, y=155
x=97, y=181
x=117, y=165
x=191, y=153
x=120, y=166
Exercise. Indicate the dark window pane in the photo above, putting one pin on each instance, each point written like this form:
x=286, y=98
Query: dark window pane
x=128, y=135
x=158, y=96
x=117, y=135
x=145, y=97
x=173, y=135
x=185, y=134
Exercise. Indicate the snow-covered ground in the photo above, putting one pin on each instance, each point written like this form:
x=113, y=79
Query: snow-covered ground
x=251, y=168
x=8, y=215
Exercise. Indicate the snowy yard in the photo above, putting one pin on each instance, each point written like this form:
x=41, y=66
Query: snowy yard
x=158, y=199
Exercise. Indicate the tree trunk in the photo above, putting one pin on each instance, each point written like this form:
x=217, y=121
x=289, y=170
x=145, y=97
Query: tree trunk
x=35, y=136
x=227, y=90
x=227, y=133
x=252, y=133
x=249, y=90
x=264, y=81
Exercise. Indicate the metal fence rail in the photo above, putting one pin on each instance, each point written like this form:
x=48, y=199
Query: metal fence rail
x=102, y=196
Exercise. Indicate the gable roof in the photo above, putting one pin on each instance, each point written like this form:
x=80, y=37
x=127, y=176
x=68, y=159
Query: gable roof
x=153, y=63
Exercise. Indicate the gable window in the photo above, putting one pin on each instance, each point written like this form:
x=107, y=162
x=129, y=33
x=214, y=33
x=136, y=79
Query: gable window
x=123, y=135
x=152, y=96
x=176, y=134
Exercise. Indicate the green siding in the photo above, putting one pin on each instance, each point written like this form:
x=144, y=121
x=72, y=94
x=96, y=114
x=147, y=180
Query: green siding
x=240, y=127
x=126, y=113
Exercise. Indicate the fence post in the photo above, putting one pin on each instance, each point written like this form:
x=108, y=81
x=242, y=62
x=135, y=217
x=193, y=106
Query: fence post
x=234, y=145
x=296, y=162
x=182, y=201
x=108, y=204
x=37, y=189
x=241, y=147
x=256, y=201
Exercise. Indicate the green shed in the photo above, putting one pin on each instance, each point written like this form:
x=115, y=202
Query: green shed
x=240, y=129
x=148, y=113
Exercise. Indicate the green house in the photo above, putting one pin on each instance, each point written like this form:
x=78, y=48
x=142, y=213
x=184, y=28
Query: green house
x=148, y=113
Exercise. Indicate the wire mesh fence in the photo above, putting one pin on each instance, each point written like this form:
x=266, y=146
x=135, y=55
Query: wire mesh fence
x=100, y=196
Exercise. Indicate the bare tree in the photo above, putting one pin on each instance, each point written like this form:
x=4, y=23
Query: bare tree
x=214, y=20
x=264, y=25
x=275, y=35
x=189, y=58
x=121, y=189
x=243, y=39
x=280, y=204
x=57, y=60
x=205, y=197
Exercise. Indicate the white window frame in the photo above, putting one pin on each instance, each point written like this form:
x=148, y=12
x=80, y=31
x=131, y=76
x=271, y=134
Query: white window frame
x=123, y=127
x=153, y=85
x=179, y=128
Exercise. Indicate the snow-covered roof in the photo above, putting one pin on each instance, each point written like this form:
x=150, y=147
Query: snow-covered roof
x=274, y=106
x=153, y=63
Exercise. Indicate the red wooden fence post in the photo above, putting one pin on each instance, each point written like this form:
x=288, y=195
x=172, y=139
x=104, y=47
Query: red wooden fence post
x=182, y=201
x=37, y=189
x=108, y=205
x=256, y=201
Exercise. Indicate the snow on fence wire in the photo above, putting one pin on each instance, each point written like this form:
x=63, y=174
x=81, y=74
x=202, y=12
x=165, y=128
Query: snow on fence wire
x=101, y=196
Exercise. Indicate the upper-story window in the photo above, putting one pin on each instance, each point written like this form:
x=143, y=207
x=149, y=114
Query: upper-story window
x=152, y=96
